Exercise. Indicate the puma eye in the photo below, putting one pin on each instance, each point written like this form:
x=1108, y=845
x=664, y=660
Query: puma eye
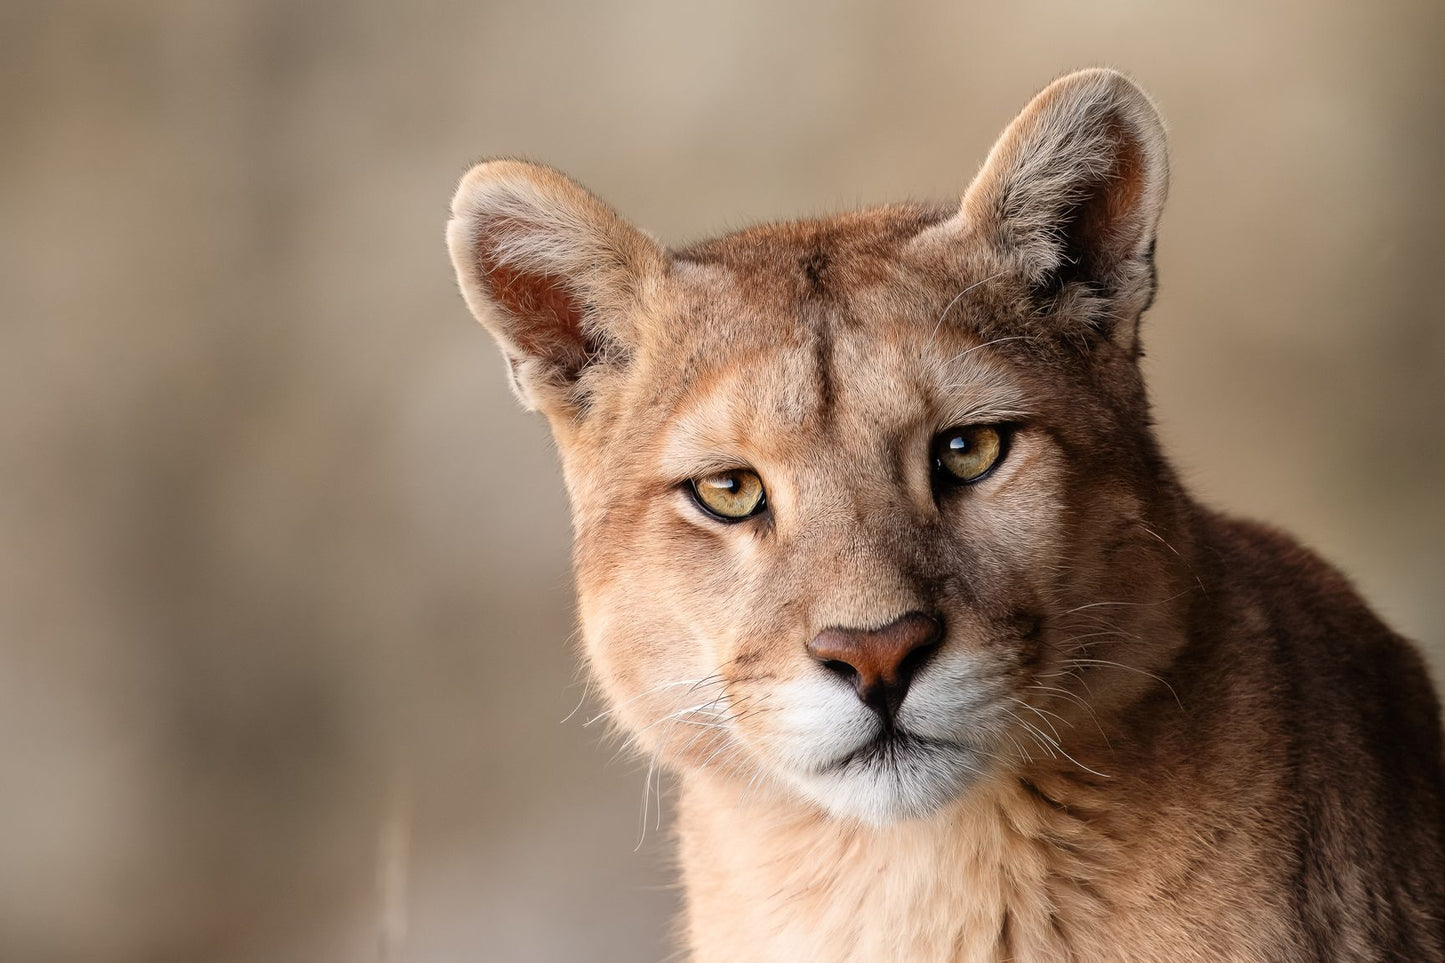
x=731, y=495
x=965, y=455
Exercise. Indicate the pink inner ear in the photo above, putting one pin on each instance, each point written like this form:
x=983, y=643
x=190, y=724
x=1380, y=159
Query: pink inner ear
x=1108, y=223
x=547, y=322
x=543, y=318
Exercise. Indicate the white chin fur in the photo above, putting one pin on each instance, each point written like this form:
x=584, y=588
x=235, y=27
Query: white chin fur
x=820, y=723
x=911, y=783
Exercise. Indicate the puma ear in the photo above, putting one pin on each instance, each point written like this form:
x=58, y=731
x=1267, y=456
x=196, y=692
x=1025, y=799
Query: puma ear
x=1073, y=189
x=553, y=272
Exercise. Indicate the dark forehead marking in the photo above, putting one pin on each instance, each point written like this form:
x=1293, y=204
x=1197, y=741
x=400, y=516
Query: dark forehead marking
x=822, y=323
x=815, y=267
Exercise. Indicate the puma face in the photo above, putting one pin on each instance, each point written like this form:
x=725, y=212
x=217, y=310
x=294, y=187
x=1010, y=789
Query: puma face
x=848, y=492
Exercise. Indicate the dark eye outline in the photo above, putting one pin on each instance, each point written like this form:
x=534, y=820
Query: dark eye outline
x=758, y=509
x=945, y=478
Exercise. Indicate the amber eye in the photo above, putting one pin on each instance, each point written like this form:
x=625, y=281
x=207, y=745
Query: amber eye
x=963, y=455
x=731, y=495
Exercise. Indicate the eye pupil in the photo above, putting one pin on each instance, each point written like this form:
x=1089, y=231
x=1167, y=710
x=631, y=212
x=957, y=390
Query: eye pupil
x=730, y=496
x=965, y=455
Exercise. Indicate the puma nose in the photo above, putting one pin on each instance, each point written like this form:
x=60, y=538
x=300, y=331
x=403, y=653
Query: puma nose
x=880, y=662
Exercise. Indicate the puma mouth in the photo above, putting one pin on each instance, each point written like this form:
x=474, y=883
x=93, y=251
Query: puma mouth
x=889, y=748
x=893, y=776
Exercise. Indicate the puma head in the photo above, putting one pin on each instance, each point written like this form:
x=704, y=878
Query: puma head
x=846, y=490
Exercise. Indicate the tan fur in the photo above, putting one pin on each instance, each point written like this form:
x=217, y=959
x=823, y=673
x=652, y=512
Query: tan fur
x=1149, y=733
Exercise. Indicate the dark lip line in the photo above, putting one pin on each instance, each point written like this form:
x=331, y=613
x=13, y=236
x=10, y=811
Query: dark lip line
x=890, y=740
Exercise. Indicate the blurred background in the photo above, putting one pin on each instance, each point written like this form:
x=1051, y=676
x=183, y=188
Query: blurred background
x=285, y=611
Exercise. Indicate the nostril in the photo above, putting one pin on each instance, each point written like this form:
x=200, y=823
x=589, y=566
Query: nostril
x=842, y=670
x=915, y=659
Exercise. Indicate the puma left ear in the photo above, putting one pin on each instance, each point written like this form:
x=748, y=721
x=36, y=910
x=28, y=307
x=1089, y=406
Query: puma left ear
x=555, y=275
x=1073, y=190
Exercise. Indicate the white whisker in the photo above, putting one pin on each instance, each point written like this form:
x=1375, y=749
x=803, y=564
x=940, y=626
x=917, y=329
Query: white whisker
x=958, y=297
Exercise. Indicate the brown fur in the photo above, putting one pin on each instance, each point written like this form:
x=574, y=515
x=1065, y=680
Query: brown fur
x=1150, y=733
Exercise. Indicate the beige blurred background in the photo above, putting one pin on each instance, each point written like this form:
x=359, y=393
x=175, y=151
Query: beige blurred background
x=284, y=597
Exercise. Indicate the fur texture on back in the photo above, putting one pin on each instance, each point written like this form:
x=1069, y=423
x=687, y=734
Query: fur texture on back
x=876, y=550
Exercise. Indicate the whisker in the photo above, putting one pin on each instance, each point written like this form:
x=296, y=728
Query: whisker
x=1061, y=750
x=1037, y=713
x=680, y=713
x=1047, y=712
x=1130, y=668
x=956, y=298
x=1171, y=548
x=693, y=683
x=978, y=347
x=1043, y=741
x=586, y=690
x=1057, y=692
x=1145, y=603
x=646, y=798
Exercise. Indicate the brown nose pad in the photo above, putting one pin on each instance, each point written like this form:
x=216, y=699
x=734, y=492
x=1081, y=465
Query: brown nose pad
x=880, y=662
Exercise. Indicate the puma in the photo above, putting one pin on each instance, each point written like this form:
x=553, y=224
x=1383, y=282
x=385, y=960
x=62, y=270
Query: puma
x=877, y=552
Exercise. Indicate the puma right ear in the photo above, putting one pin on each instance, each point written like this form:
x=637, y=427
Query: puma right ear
x=1074, y=189
x=553, y=272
